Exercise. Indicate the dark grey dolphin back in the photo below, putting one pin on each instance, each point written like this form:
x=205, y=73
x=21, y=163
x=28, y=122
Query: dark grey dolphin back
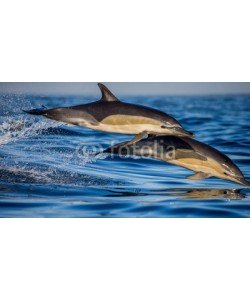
x=103, y=109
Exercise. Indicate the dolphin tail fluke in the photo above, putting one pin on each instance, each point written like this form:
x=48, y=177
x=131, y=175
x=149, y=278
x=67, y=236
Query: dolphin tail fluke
x=36, y=111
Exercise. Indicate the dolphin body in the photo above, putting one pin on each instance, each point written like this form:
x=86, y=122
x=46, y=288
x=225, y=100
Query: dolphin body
x=112, y=115
x=188, y=153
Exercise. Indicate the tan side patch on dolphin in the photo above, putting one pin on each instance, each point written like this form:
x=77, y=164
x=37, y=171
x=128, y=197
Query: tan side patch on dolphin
x=127, y=119
x=209, y=167
x=188, y=154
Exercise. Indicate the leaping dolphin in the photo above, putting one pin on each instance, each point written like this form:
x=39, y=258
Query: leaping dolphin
x=188, y=153
x=112, y=115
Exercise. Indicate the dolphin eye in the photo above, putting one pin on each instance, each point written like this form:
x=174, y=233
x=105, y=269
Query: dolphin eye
x=164, y=126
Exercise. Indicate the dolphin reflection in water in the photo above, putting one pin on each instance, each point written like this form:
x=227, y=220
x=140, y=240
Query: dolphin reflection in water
x=208, y=194
x=183, y=193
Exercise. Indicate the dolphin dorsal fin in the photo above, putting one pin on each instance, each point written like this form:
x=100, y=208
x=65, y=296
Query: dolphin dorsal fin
x=106, y=94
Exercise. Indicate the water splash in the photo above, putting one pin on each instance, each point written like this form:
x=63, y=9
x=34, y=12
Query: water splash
x=85, y=154
x=54, y=165
x=12, y=130
x=55, y=162
x=15, y=124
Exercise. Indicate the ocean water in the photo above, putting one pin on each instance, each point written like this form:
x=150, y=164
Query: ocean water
x=49, y=169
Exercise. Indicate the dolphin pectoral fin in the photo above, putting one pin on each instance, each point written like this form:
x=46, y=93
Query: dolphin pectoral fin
x=198, y=176
x=188, y=153
x=106, y=94
x=137, y=138
x=142, y=135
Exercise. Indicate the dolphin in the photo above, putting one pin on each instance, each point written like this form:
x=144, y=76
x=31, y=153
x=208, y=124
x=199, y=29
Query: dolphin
x=188, y=153
x=112, y=115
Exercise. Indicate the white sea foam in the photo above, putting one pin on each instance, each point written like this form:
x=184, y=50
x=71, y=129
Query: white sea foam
x=12, y=129
x=45, y=162
x=15, y=125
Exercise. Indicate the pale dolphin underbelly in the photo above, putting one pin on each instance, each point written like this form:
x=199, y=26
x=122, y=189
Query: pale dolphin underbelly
x=122, y=124
x=209, y=166
x=125, y=129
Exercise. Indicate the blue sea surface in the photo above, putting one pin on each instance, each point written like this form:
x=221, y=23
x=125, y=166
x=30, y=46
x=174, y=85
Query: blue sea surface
x=49, y=169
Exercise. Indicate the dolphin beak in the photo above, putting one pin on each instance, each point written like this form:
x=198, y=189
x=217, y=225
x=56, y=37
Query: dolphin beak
x=243, y=181
x=181, y=131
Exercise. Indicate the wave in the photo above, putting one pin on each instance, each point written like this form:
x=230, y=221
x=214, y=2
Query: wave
x=40, y=162
x=51, y=176
x=15, y=124
x=49, y=164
